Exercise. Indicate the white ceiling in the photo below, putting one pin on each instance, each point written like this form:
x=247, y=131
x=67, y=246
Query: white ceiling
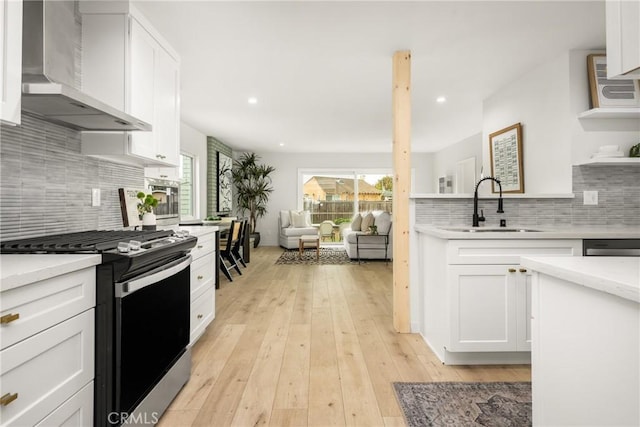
x=321, y=71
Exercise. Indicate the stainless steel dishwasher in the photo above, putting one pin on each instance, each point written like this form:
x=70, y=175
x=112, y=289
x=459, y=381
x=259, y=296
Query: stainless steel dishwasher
x=611, y=247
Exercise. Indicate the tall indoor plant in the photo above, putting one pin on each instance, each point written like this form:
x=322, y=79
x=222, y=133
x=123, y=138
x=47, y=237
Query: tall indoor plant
x=253, y=187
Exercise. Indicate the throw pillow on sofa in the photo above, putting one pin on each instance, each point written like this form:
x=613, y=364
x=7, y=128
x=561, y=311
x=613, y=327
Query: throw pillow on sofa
x=300, y=219
x=383, y=222
x=356, y=222
x=367, y=221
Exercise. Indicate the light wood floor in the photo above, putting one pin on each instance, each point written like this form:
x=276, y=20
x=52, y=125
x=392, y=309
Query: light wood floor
x=308, y=345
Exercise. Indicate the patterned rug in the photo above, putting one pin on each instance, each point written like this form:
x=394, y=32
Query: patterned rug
x=327, y=256
x=465, y=404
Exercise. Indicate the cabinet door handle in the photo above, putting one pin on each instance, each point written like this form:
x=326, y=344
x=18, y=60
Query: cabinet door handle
x=200, y=277
x=8, y=398
x=199, y=316
x=164, y=176
x=512, y=270
x=8, y=318
x=200, y=246
x=523, y=270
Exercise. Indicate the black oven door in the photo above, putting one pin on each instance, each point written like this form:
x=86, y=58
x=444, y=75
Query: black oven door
x=151, y=329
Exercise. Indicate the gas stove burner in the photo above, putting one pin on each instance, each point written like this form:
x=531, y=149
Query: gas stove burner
x=82, y=242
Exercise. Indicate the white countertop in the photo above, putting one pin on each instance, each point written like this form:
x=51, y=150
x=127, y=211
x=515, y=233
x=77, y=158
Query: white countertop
x=194, y=230
x=545, y=232
x=614, y=275
x=22, y=269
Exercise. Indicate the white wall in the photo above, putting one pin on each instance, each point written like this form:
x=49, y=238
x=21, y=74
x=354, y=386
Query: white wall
x=539, y=100
x=285, y=179
x=194, y=143
x=445, y=160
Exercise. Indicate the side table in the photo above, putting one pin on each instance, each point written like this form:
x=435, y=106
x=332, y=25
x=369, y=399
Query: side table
x=311, y=240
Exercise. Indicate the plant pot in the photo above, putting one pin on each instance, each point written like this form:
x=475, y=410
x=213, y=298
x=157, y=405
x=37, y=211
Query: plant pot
x=256, y=239
x=149, y=221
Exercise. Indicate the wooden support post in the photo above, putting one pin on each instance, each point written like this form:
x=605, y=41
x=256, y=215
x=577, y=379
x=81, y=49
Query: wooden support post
x=401, y=187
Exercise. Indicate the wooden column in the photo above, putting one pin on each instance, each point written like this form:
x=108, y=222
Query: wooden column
x=401, y=100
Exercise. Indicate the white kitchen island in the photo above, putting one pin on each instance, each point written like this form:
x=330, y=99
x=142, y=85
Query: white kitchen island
x=586, y=340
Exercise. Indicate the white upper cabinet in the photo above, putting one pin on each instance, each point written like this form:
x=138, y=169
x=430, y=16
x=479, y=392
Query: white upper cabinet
x=127, y=64
x=11, y=70
x=623, y=38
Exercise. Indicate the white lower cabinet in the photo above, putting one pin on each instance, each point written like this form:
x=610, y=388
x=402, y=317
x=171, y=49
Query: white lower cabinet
x=203, y=283
x=48, y=348
x=77, y=411
x=477, y=298
x=490, y=308
x=41, y=372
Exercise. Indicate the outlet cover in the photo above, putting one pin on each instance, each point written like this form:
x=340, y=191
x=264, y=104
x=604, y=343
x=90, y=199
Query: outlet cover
x=95, y=197
x=590, y=197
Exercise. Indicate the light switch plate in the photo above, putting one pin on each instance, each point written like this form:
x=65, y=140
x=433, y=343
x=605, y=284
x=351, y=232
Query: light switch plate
x=95, y=197
x=590, y=197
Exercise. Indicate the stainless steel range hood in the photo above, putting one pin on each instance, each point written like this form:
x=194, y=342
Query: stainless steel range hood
x=50, y=72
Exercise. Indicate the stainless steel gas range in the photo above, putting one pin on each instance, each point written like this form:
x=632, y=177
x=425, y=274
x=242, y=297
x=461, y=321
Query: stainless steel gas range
x=142, y=317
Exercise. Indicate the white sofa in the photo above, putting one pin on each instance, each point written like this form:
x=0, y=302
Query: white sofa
x=370, y=248
x=289, y=233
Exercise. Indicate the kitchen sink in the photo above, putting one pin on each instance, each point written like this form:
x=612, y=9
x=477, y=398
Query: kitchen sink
x=493, y=230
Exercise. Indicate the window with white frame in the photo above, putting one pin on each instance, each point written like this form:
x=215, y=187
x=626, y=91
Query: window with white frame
x=187, y=186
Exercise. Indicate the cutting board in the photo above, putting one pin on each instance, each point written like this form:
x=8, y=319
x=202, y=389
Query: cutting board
x=129, y=207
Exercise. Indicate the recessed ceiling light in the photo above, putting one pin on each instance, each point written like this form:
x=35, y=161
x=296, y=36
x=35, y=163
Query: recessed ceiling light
x=441, y=99
x=281, y=144
x=252, y=100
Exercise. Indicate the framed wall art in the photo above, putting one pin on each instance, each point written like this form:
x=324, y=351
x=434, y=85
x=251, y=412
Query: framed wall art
x=505, y=150
x=610, y=93
x=225, y=198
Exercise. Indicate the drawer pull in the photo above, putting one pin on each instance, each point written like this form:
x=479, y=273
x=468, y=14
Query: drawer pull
x=200, y=246
x=512, y=270
x=523, y=270
x=200, y=277
x=8, y=318
x=8, y=398
x=199, y=316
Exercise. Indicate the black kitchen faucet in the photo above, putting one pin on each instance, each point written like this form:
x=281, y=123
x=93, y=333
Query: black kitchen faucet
x=476, y=217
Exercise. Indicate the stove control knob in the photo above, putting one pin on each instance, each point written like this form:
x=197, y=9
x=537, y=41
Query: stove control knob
x=135, y=245
x=123, y=247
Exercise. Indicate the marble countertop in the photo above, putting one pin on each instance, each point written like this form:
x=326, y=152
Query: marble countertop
x=614, y=275
x=19, y=270
x=456, y=232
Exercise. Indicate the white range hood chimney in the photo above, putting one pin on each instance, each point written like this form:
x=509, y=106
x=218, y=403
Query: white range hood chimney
x=50, y=40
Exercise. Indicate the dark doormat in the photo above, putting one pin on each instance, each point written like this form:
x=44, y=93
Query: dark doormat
x=327, y=256
x=458, y=404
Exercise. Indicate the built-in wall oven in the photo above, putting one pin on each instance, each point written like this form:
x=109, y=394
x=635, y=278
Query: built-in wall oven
x=167, y=192
x=611, y=247
x=142, y=318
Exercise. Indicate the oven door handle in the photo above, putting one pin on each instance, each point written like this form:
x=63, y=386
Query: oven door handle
x=154, y=276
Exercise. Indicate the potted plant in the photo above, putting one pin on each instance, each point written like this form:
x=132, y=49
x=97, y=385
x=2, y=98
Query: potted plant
x=253, y=187
x=145, y=210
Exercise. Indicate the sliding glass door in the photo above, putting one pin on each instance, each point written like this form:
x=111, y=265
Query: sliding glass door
x=333, y=197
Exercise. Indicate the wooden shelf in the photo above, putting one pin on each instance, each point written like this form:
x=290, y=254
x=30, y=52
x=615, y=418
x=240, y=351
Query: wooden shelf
x=611, y=113
x=619, y=161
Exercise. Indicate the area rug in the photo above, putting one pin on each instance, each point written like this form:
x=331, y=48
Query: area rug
x=327, y=256
x=465, y=404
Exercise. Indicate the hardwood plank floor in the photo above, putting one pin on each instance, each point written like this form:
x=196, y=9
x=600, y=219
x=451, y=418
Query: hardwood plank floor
x=295, y=345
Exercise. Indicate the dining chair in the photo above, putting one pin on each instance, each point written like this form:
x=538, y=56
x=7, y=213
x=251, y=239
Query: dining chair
x=227, y=258
x=239, y=244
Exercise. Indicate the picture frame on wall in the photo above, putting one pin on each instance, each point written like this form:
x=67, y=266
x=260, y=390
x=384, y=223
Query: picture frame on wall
x=505, y=151
x=224, y=195
x=607, y=93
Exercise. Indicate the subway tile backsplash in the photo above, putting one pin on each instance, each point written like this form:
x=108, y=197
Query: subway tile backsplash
x=45, y=182
x=618, y=190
